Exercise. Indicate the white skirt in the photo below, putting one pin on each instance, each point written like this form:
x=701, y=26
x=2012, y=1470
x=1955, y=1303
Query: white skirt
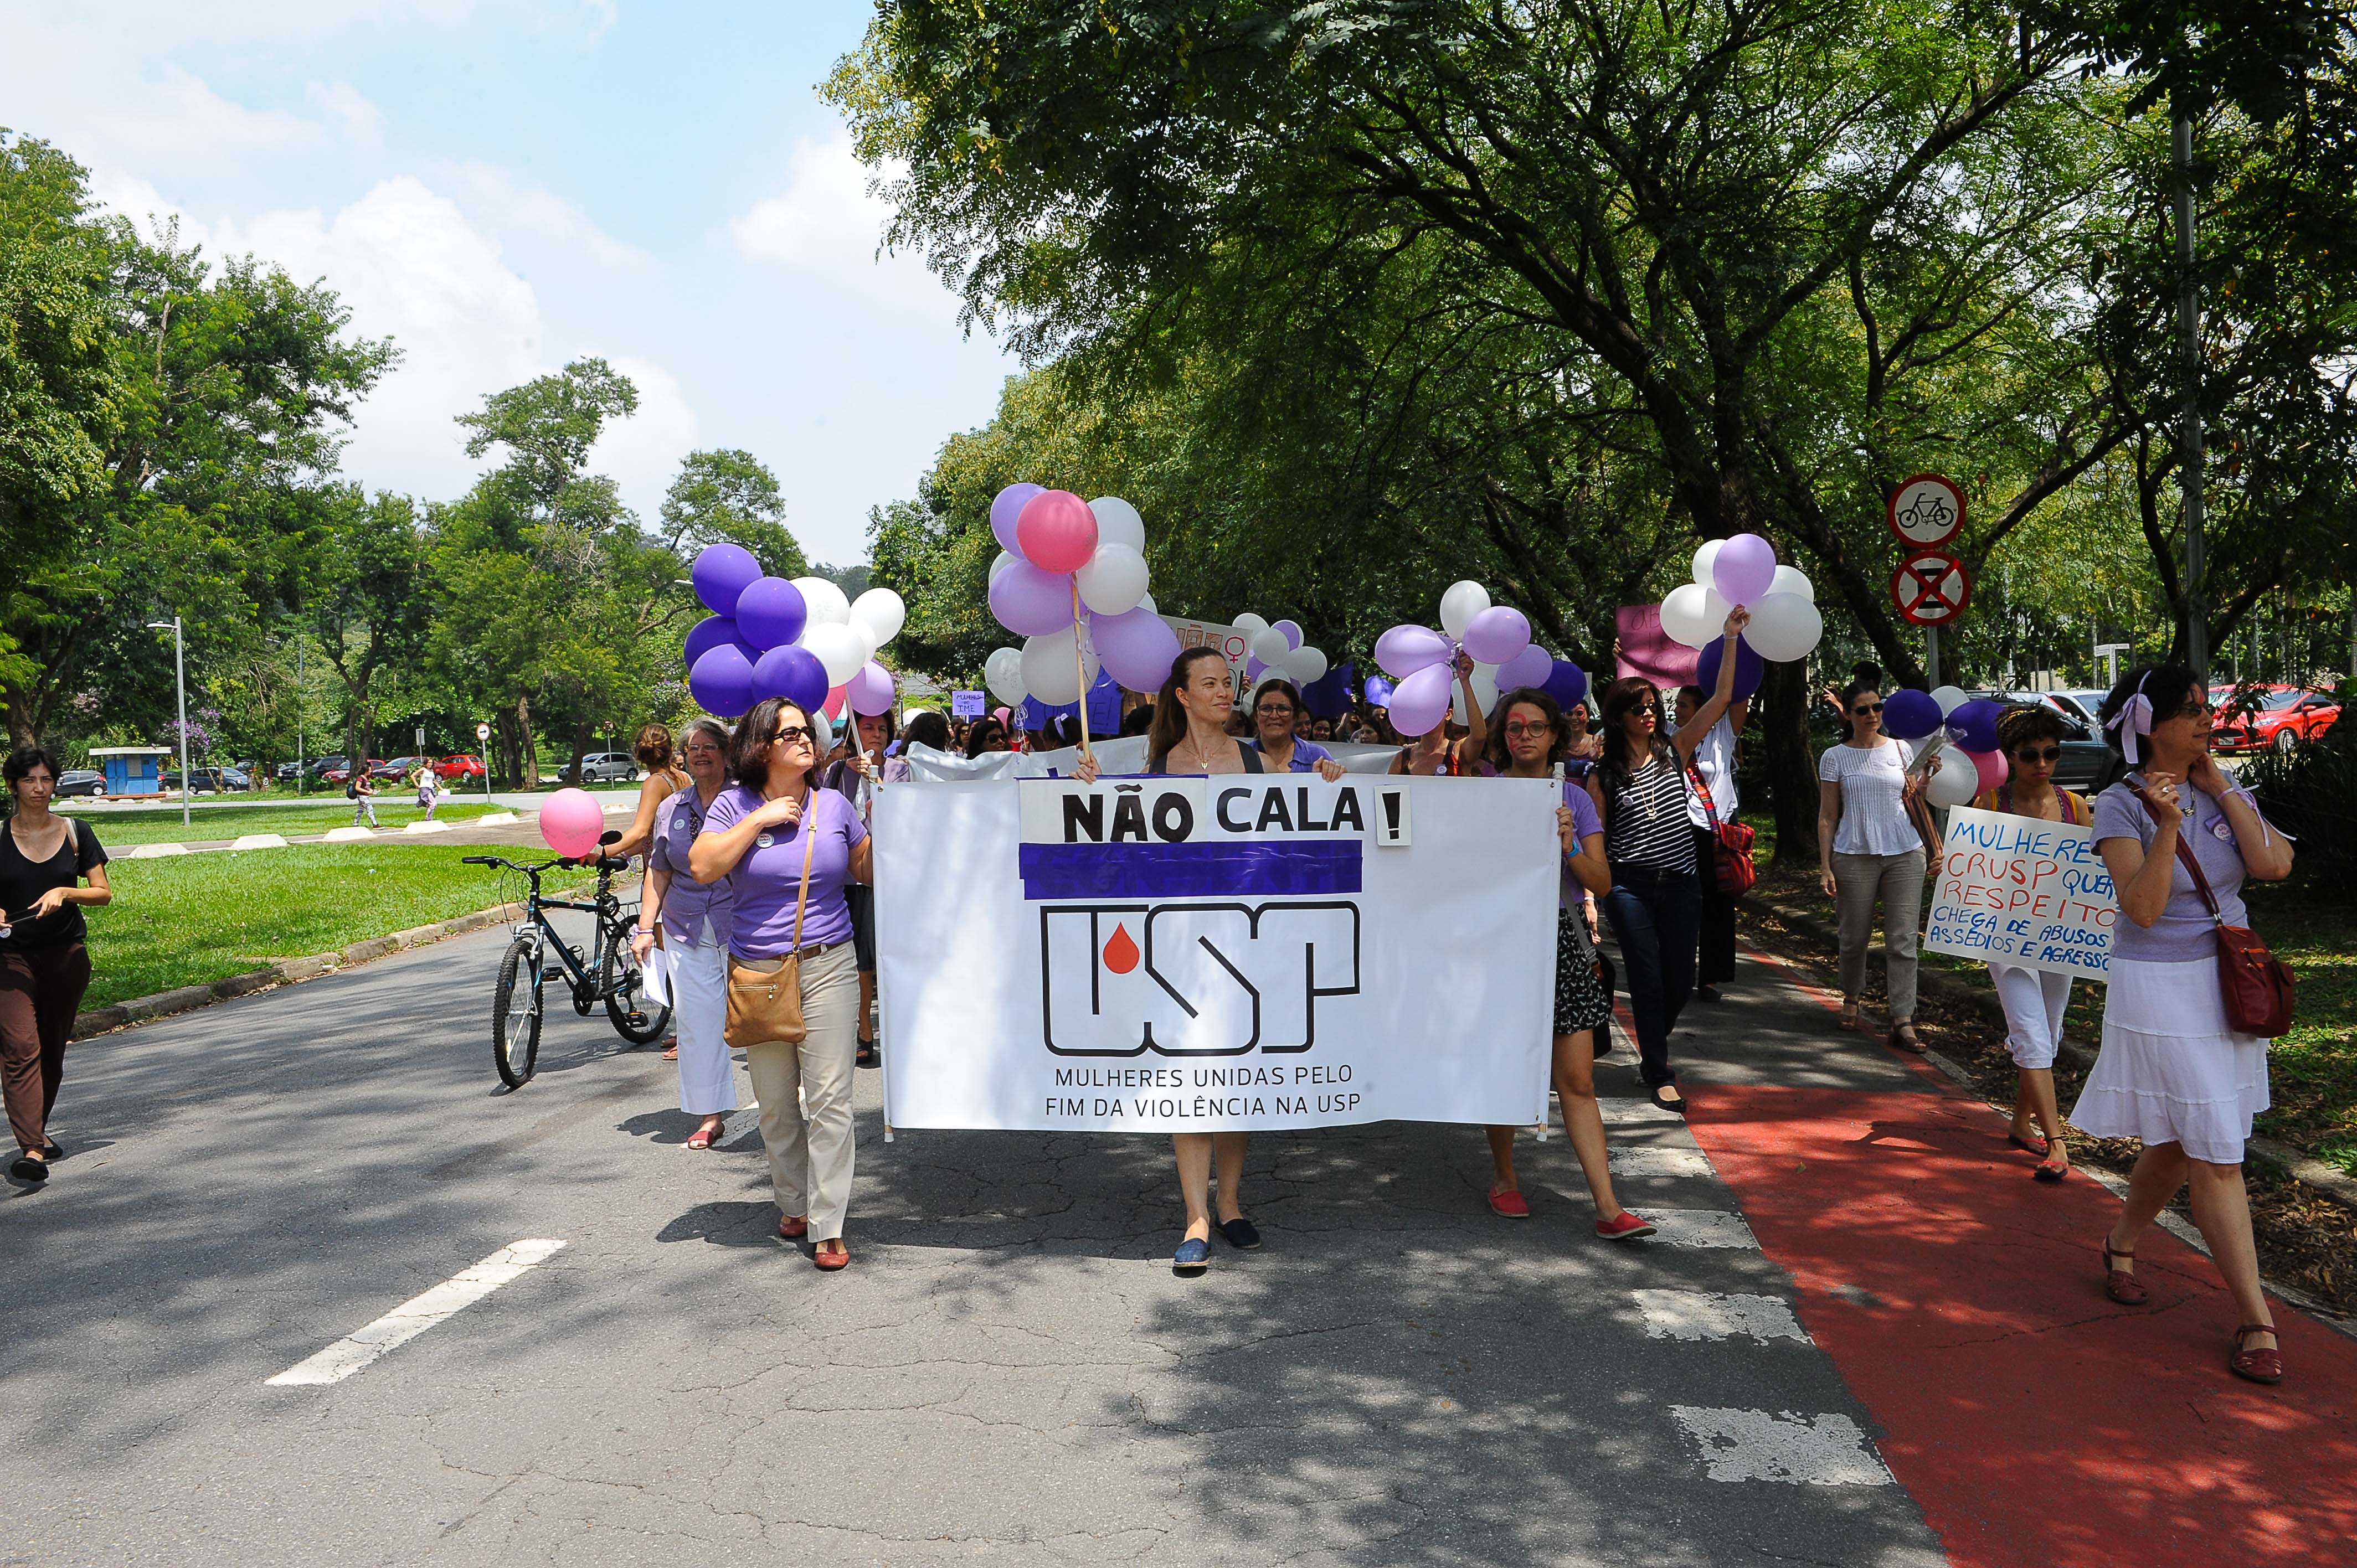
x=2170, y=1072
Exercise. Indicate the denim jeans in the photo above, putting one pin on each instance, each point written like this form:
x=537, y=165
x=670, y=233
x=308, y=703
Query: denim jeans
x=1658, y=919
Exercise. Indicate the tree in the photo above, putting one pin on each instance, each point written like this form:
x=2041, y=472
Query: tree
x=729, y=495
x=366, y=581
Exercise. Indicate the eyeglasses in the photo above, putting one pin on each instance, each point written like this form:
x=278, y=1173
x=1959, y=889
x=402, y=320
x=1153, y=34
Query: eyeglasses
x=1865, y=708
x=2042, y=754
x=1275, y=711
x=789, y=733
x=1515, y=727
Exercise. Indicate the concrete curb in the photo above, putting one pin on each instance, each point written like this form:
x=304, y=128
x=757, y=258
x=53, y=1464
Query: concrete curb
x=287, y=971
x=2282, y=1156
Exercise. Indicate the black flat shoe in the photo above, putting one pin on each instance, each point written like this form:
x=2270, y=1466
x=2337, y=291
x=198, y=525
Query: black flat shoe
x=51, y=1152
x=1678, y=1105
x=1240, y=1233
x=1707, y=993
x=26, y=1168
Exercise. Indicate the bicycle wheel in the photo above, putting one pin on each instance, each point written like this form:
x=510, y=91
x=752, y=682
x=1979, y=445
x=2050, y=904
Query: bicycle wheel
x=515, y=1015
x=622, y=981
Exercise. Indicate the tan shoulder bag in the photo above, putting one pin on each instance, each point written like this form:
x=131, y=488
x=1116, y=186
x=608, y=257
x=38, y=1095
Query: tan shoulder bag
x=767, y=1005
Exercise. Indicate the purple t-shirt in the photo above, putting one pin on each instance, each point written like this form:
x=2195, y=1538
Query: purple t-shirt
x=692, y=910
x=2183, y=932
x=768, y=881
x=1306, y=754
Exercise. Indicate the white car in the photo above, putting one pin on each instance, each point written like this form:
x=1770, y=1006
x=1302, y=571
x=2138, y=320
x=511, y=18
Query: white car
x=2080, y=705
x=603, y=768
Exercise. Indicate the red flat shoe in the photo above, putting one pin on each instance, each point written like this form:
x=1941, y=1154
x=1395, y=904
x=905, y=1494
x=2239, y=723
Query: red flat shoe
x=702, y=1137
x=2259, y=1366
x=830, y=1262
x=2118, y=1283
x=793, y=1227
x=1626, y=1228
x=1509, y=1204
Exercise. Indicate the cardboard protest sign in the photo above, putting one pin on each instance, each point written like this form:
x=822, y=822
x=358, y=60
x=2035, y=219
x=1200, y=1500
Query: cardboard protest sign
x=2017, y=890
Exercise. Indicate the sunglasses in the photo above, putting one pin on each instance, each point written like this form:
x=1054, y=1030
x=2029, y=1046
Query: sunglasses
x=1865, y=708
x=788, y=733
x=2042, y=754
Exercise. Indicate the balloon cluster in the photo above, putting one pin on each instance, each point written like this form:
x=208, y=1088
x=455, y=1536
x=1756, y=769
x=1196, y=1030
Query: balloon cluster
x=799, y=639
x=1742, y=570
x=1064, y=561
x=1423, y=662
x=1967, y=724
x=1278, y=646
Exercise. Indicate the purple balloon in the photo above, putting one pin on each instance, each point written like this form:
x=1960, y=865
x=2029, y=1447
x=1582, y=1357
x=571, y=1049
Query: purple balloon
x=1004, y=508
x=1531, y=667
x=1910, y=714
x=1254, y=670
x=770, y=613
x=792, y=673
x=1029, y=602
x=721, y=572
x=1404, y=649
x=1290, y=631
x=1137, y=647
x=1745, y=569
x=1378, y=691
x=1566, y=683
x=1748, y=667
x=1421, y=700
x=1974, y=724
x=722, y=682
x=869, y=690
x=1497, y=634
x=710, y=632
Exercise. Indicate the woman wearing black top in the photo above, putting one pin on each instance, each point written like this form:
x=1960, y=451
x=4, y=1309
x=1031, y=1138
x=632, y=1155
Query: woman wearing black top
x=1655, y=905
x=44, y=967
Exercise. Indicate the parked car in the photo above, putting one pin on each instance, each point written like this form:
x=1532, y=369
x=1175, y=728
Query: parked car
x=2086, y=706
x=210, y=780
x=314, y=768
x=2087, y=763
x=462, y=765
x=81, y=782
x=341, y=772
x=2283, y=717
x=395, y=770
x=602, y=767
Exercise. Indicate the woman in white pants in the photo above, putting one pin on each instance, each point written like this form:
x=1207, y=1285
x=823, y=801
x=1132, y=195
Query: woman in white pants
x=693, y=921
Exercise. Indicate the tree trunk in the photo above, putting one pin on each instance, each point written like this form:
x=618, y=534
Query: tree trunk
x=580, y=749
x=1792, y=771
x=531, y=773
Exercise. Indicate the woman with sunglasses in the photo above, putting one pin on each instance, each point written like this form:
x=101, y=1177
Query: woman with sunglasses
x=762, y=833
x=1277, y=716
x=692, y=920
x=1871, y=844
x=988, y=735
x=1529, y=740
x=1639, y=789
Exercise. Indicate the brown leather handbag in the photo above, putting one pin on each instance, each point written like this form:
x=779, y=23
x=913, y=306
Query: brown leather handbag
x=768, y=1006
x=2256, y=986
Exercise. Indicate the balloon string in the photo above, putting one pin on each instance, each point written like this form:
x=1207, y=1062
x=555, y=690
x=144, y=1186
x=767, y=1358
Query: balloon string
x=1080, y=667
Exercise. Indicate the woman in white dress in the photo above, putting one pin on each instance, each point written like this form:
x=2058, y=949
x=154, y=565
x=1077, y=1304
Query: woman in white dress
x=2171, y=1071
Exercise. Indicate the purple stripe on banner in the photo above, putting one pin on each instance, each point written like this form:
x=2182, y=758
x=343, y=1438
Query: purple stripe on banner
x=1254, y=868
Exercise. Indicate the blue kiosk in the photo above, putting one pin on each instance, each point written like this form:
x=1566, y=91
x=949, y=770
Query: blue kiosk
x=132, y=769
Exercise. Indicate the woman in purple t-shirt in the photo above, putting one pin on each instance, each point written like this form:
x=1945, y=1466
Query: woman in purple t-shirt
x=2171, y=1071
x=754, y=833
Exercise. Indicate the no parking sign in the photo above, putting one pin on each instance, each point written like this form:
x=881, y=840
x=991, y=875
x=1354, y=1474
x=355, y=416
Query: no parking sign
x=1930, y=588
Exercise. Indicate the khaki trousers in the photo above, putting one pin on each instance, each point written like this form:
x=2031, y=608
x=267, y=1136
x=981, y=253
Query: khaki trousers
x=805, y=1093
x=1898, y=881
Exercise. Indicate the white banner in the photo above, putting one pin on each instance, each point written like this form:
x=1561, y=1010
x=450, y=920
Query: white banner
x=1216, y=954
x=2017, y=890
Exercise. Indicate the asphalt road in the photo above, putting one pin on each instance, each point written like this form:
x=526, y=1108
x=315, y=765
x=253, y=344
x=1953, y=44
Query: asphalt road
x=1008, y=1371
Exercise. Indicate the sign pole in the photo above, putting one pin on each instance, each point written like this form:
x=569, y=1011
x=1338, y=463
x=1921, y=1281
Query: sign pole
x=1931, y=655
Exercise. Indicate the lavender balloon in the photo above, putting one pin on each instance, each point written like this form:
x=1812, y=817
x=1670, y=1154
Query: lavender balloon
x=1566, y=683
x=794, y=673
x=1006, y=507
x=1404, y=649
x=869, y=691
x=1748, y=667
x=710, y=632
x=1137, y=647
x=772, y=613
x=1497, y=635
x=1254, y=670
x=1421, y=700
x=1291, y=631
x=1745, y=570
x=1531, y=667
x=1378, y=691
x=722, y=682
x=1029, y=602
x=721, y=572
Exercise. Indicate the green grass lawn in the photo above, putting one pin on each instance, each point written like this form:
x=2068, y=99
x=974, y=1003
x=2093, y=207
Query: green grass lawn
x=161, y=824
x=195, y=919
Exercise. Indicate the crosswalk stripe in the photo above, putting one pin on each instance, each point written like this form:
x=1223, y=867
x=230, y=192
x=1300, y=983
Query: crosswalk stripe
x=1648, y=1160
x=1701, y=1227
x=1619, y=1111
x=1798, y=1450
x=1714, y=1314
x=415, y=1315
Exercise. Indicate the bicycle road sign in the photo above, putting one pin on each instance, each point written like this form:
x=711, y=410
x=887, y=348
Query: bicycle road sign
x=1930, y=588
x=1926, y=510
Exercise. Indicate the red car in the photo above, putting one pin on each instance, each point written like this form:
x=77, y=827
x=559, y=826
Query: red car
x=2278, y=717
x=341, y=774
x=460, y=767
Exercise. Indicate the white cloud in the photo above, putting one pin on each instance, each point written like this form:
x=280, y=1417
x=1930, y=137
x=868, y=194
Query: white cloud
x=530, y=215
x=361, y=119
x=642, y=452
x=828, y=228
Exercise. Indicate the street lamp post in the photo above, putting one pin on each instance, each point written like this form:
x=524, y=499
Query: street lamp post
x=180, y=684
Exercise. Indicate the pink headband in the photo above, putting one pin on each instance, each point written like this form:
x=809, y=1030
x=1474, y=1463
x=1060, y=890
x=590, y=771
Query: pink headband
x=2133, y=719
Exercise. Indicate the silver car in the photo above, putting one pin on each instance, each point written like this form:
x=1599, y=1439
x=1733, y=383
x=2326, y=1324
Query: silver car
x=603, y=768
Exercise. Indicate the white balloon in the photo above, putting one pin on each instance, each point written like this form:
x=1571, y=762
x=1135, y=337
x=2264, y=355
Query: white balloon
x=1114, y=580
x=1950, y=699
x=1952, y=781
x=1790, y=580
x=1003, y=673
x=1049, y=670
x=839, y=648
x=1146, y=603
x=1783, y=626
x=1693, y=614
x=1705, y=558
x=1006, y=558
x=1460, y=605
x=828, y=606
x=880, y=613
x=1118, y=523
x=867, y=641
x=1305, y=665
x=1485, y=693
x=1271, y=648
x=1250, y=625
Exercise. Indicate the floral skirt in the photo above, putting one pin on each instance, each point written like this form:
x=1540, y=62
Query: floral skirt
x=1583, y=997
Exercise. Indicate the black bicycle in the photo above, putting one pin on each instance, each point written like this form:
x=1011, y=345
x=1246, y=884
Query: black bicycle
x=612, y=976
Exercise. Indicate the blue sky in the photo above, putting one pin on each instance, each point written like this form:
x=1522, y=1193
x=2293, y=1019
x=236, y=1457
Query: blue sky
x=504, y=187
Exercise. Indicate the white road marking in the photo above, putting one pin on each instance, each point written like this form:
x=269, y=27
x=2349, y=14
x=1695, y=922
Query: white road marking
x=1710, y=1315
x=1646, y=1160
x=415, y=1316
x=1799, y=1450
x=1634, y=1110
x=1702, y=1228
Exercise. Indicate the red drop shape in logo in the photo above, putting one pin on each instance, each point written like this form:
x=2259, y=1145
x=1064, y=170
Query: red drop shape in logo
x=1120, y=952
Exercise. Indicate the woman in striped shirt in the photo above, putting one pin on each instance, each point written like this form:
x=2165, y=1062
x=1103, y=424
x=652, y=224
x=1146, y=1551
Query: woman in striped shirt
x=1655, y=905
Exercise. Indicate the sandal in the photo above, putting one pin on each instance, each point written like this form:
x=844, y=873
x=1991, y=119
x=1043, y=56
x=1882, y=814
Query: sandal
x=702, y=1138
x=2118, y=1283
x=2259, y=1366
x=1848, y=1012
x=1903, y=1036
x=866, y=1055
x=2050, y=1170
x=2019, y=1142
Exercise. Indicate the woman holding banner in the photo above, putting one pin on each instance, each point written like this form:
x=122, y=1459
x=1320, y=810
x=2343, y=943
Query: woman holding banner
x=1530, y=744
x=1639, y=789
x=788, y=847
x=1277, y=716
x=693, y=919
x=1432, y=753
x=2178, y=838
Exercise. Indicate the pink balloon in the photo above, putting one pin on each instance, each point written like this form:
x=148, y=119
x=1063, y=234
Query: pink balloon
x=1057, y=531
x=1497, y=634
x=834, y=706
x=1531, y=667
x=1029, y=602
x=870, y=690
x=572, y=821
x=1991, y=765
x=1745, y=569
x=1421, y=700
